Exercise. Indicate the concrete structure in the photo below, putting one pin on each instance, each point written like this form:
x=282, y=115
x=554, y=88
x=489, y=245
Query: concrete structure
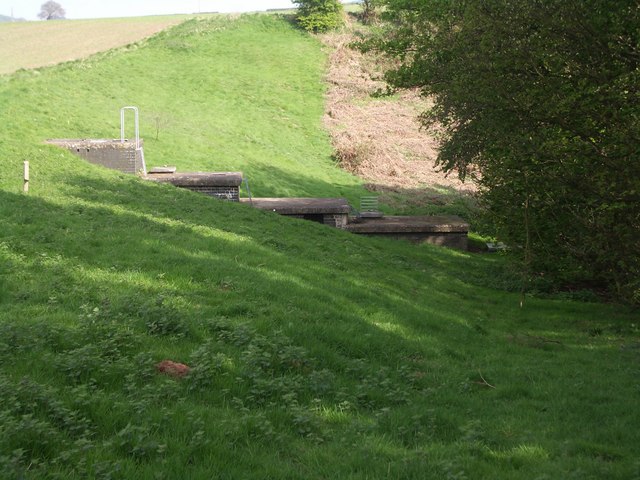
x=449, y=231
x=329, y=211
x=124, y=156
x=223, y=185
x=114, y=154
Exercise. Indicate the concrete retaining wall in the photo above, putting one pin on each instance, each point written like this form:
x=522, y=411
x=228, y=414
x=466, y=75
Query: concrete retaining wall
x=108, y=153
x=223, y=185
x=449, y=231
x=459, y=241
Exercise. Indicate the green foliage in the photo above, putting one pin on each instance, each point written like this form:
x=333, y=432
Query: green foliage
x=540, y=101
x=319, y=15
x=370, y=11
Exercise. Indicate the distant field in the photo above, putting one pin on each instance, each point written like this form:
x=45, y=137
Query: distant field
x=38, y=44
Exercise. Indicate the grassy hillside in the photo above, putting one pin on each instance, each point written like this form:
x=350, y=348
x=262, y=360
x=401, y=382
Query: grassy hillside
x=314, y=353
x=36, y=44
x=225, y=96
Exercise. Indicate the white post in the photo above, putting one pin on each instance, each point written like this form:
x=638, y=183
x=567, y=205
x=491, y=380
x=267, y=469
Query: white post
x=25, y=186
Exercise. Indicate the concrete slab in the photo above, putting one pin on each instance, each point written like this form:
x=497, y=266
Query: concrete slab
x=447, y=231
x=197, y=179
x=417, y=224
x=301, y=206
x=165, y=170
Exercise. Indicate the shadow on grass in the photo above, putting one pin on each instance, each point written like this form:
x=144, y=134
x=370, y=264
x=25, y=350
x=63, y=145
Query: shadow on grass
x=429, y=200
x=269, y=260
x=123, y=238
x=341, y=297
x=285, y=184
x=233, y=259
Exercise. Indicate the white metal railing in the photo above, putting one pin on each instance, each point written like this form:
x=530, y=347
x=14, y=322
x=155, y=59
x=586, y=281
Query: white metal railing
x=139, y=149
x=137, y=124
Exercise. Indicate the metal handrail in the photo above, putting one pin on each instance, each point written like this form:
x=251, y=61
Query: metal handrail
x=137, y=124
x=369, y=204
x=246, y=182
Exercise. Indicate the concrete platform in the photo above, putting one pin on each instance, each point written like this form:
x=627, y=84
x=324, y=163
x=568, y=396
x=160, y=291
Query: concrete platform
x=221, y=185
x=195, y=179
x=164, y=170
x=328, y=211
x=301, y=206
x=449, y=231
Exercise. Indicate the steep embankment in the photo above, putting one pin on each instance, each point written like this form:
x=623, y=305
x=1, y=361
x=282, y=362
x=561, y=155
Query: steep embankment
x=314, y=354
x=379, y=137
x=213, y=95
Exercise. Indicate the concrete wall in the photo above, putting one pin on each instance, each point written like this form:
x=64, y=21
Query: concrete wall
x=331, y=220
x=221, y=185
x=230, y=193
x=107, y=153
x=335, y=220
x=458, y=241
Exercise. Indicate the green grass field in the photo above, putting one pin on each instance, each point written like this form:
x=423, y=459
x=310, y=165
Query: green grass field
x=315, y=354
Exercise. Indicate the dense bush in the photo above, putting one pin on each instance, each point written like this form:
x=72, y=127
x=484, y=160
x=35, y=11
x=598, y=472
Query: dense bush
x=541, y=101
x=319, y=15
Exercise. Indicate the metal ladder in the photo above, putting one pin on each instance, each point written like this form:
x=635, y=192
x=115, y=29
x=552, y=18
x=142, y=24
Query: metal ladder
x=369, y=207
x=139, y=149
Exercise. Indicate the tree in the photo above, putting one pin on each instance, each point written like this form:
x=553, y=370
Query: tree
x=542, y=99
x=51, y=11
x=319, y=15
x=370, y=11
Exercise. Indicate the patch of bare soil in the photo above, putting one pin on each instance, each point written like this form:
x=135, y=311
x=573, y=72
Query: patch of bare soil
x=380, y=139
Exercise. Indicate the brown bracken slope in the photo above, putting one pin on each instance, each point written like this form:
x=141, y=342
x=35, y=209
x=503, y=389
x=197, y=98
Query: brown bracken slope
x=379, y=139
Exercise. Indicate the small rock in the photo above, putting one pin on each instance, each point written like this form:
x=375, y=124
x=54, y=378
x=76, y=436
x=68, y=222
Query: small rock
x=173, y=369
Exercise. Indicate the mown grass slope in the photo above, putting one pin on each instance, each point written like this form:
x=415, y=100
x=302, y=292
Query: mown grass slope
x=212, y=103
x=314, y=353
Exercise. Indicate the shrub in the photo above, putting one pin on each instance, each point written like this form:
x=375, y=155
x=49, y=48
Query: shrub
x=542, y=100
x=319, y=15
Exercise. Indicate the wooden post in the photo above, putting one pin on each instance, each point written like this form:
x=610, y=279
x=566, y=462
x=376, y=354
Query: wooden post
x=25, y=187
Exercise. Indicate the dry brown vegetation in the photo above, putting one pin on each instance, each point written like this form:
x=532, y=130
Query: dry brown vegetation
x=39, y=44
x=380, y=138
